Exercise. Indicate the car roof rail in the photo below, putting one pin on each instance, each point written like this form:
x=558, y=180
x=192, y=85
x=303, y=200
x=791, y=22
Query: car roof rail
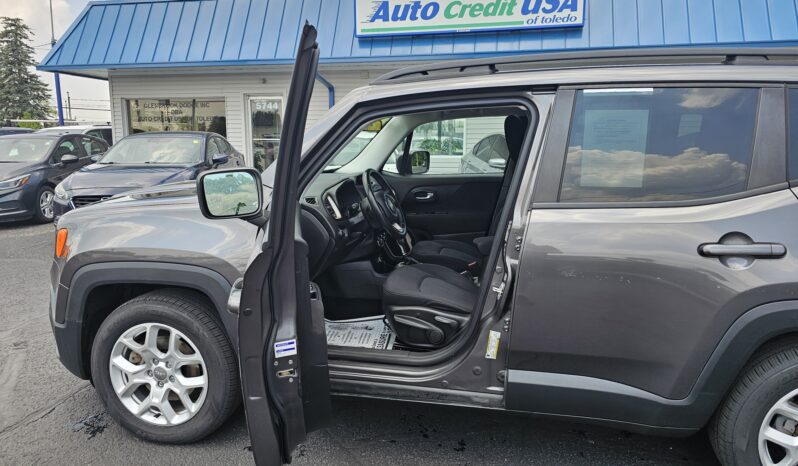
x=593, y=58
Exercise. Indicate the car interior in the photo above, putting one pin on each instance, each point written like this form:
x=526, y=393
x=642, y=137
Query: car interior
x=399, y=232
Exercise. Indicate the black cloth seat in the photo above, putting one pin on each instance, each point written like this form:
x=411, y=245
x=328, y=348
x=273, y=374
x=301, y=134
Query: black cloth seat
x=458, y=255
x=427, y=304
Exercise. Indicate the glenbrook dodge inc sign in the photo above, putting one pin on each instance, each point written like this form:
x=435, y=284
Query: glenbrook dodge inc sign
x=395, y=17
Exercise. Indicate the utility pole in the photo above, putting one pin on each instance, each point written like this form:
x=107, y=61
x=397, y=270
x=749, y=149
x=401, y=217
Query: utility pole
x=69, y=106
x=59, y=104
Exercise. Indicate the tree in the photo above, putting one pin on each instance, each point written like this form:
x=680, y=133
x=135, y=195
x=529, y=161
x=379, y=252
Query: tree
x=22, y=93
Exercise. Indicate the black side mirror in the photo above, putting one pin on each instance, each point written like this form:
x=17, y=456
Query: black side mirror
x=66, y=159
x=231, y=193
x=419, y=162
x=219, y=159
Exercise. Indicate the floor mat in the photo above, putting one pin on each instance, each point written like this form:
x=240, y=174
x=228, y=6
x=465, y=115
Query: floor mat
x=366, y=332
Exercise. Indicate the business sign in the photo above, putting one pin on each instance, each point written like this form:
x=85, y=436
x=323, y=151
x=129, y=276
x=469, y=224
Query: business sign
x=397, y=17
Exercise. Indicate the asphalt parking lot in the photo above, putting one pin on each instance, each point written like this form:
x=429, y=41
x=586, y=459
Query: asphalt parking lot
x=47, y=416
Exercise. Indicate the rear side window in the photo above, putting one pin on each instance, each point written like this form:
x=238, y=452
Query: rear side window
x=93, y=146
x=659, y=144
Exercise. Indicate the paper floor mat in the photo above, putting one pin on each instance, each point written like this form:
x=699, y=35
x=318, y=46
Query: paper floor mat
x=366, y=332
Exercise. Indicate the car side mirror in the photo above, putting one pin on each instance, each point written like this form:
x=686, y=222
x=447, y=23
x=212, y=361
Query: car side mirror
x=66, y=159
x=419, y=162
x=219, y=159
x=231, y=193
x=96, y=157
x=498, y=163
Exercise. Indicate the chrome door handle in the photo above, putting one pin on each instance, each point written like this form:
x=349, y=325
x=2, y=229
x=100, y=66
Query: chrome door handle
x=424, y=196
x=763, y=250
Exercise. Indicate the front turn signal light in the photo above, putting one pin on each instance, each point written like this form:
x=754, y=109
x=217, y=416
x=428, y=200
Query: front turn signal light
x=61, y=248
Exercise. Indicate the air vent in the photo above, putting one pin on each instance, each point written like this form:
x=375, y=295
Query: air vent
x=332, y=207
x=310, y=200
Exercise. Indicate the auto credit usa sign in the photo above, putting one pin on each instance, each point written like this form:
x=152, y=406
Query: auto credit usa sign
x=396, y=17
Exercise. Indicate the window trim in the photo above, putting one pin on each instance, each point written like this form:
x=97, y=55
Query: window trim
x=793, y=181
x=767, y=176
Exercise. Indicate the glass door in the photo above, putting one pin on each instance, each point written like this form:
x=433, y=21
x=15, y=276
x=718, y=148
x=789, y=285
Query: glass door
x=265, y=125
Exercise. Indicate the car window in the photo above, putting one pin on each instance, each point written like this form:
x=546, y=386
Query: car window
x=491, y=147
x=92, y=146
x=459, y=146
x=221, y=146
x=102, y=133
x=155, y=149
x=22, y=149
x=659, y=144
x=211, y=148
x=67, y=147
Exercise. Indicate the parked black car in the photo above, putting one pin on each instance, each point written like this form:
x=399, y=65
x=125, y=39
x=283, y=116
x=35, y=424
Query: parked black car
x=7, y=130
x=145, y=159
x=31, y=165
x=634, y=264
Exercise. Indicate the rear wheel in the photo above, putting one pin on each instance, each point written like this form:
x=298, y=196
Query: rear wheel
x=758, y=421
x=164, y=367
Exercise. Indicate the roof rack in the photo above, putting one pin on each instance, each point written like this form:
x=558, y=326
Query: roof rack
x=592, y=58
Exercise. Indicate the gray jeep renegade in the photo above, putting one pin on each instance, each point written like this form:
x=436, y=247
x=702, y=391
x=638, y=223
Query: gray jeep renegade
x=632, y=260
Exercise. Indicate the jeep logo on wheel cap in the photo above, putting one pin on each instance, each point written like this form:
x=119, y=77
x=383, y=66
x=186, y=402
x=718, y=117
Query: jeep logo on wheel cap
x=159, y=373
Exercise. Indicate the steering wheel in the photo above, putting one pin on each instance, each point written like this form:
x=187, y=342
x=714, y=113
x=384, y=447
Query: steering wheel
x=384, y=206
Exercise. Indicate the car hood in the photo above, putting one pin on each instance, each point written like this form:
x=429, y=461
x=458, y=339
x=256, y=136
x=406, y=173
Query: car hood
x=106, y=176
x=13, y=169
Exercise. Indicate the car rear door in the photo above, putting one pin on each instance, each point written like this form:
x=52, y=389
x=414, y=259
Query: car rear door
x=282, y=345
x=661, y=214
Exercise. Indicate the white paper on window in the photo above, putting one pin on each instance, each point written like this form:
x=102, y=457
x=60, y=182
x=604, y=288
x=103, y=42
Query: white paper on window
x=613, y=148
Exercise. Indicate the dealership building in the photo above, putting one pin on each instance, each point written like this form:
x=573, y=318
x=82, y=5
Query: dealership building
x=224, y=65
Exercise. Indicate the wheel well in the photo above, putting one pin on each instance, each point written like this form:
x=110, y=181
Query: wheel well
x=102, y=300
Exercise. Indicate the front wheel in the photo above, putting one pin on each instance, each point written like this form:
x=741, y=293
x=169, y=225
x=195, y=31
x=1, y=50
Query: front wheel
x=164, y=368
x=43, y=210
x=758, y=421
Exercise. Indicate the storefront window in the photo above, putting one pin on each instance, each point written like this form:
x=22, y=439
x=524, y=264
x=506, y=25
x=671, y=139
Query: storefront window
x=176, y=115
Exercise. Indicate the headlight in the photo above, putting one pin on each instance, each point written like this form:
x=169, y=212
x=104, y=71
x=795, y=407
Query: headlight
x=14, y=182
x=60, y=192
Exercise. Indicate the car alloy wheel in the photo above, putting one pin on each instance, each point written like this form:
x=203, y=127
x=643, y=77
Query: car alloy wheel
x=778, y=434
x=46, y=204
x=158, y=374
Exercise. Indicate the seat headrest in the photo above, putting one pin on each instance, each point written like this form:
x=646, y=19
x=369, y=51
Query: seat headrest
x=515, y=127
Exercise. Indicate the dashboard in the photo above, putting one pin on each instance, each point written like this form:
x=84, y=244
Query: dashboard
x=333, y=223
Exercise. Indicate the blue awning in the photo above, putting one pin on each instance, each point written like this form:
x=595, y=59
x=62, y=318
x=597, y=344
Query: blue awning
x=118, y=34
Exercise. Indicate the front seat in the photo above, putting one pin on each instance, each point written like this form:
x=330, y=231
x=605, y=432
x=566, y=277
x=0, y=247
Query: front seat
x=427, y=304
x=459, y=255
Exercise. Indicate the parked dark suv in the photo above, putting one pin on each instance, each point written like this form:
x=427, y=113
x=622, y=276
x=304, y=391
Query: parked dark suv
x=634, y=263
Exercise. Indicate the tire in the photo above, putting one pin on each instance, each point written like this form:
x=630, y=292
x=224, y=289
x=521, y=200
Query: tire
x=189, y=317
x=39, y=214
x=769, y=380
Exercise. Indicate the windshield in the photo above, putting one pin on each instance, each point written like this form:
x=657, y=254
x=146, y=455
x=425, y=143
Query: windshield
x=156, y=149
x=13, y=149
x=359, y=143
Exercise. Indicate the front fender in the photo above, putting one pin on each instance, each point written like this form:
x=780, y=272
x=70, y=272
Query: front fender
x=70, y=300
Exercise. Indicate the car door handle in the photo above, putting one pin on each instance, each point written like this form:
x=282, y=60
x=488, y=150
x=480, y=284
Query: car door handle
x=763, y=250
x=424, y=196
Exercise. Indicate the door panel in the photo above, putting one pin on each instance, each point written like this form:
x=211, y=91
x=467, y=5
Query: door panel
x=625, y=295
x=447, y=206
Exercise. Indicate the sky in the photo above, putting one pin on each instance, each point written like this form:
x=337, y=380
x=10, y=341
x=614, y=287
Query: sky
x=85, y=93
